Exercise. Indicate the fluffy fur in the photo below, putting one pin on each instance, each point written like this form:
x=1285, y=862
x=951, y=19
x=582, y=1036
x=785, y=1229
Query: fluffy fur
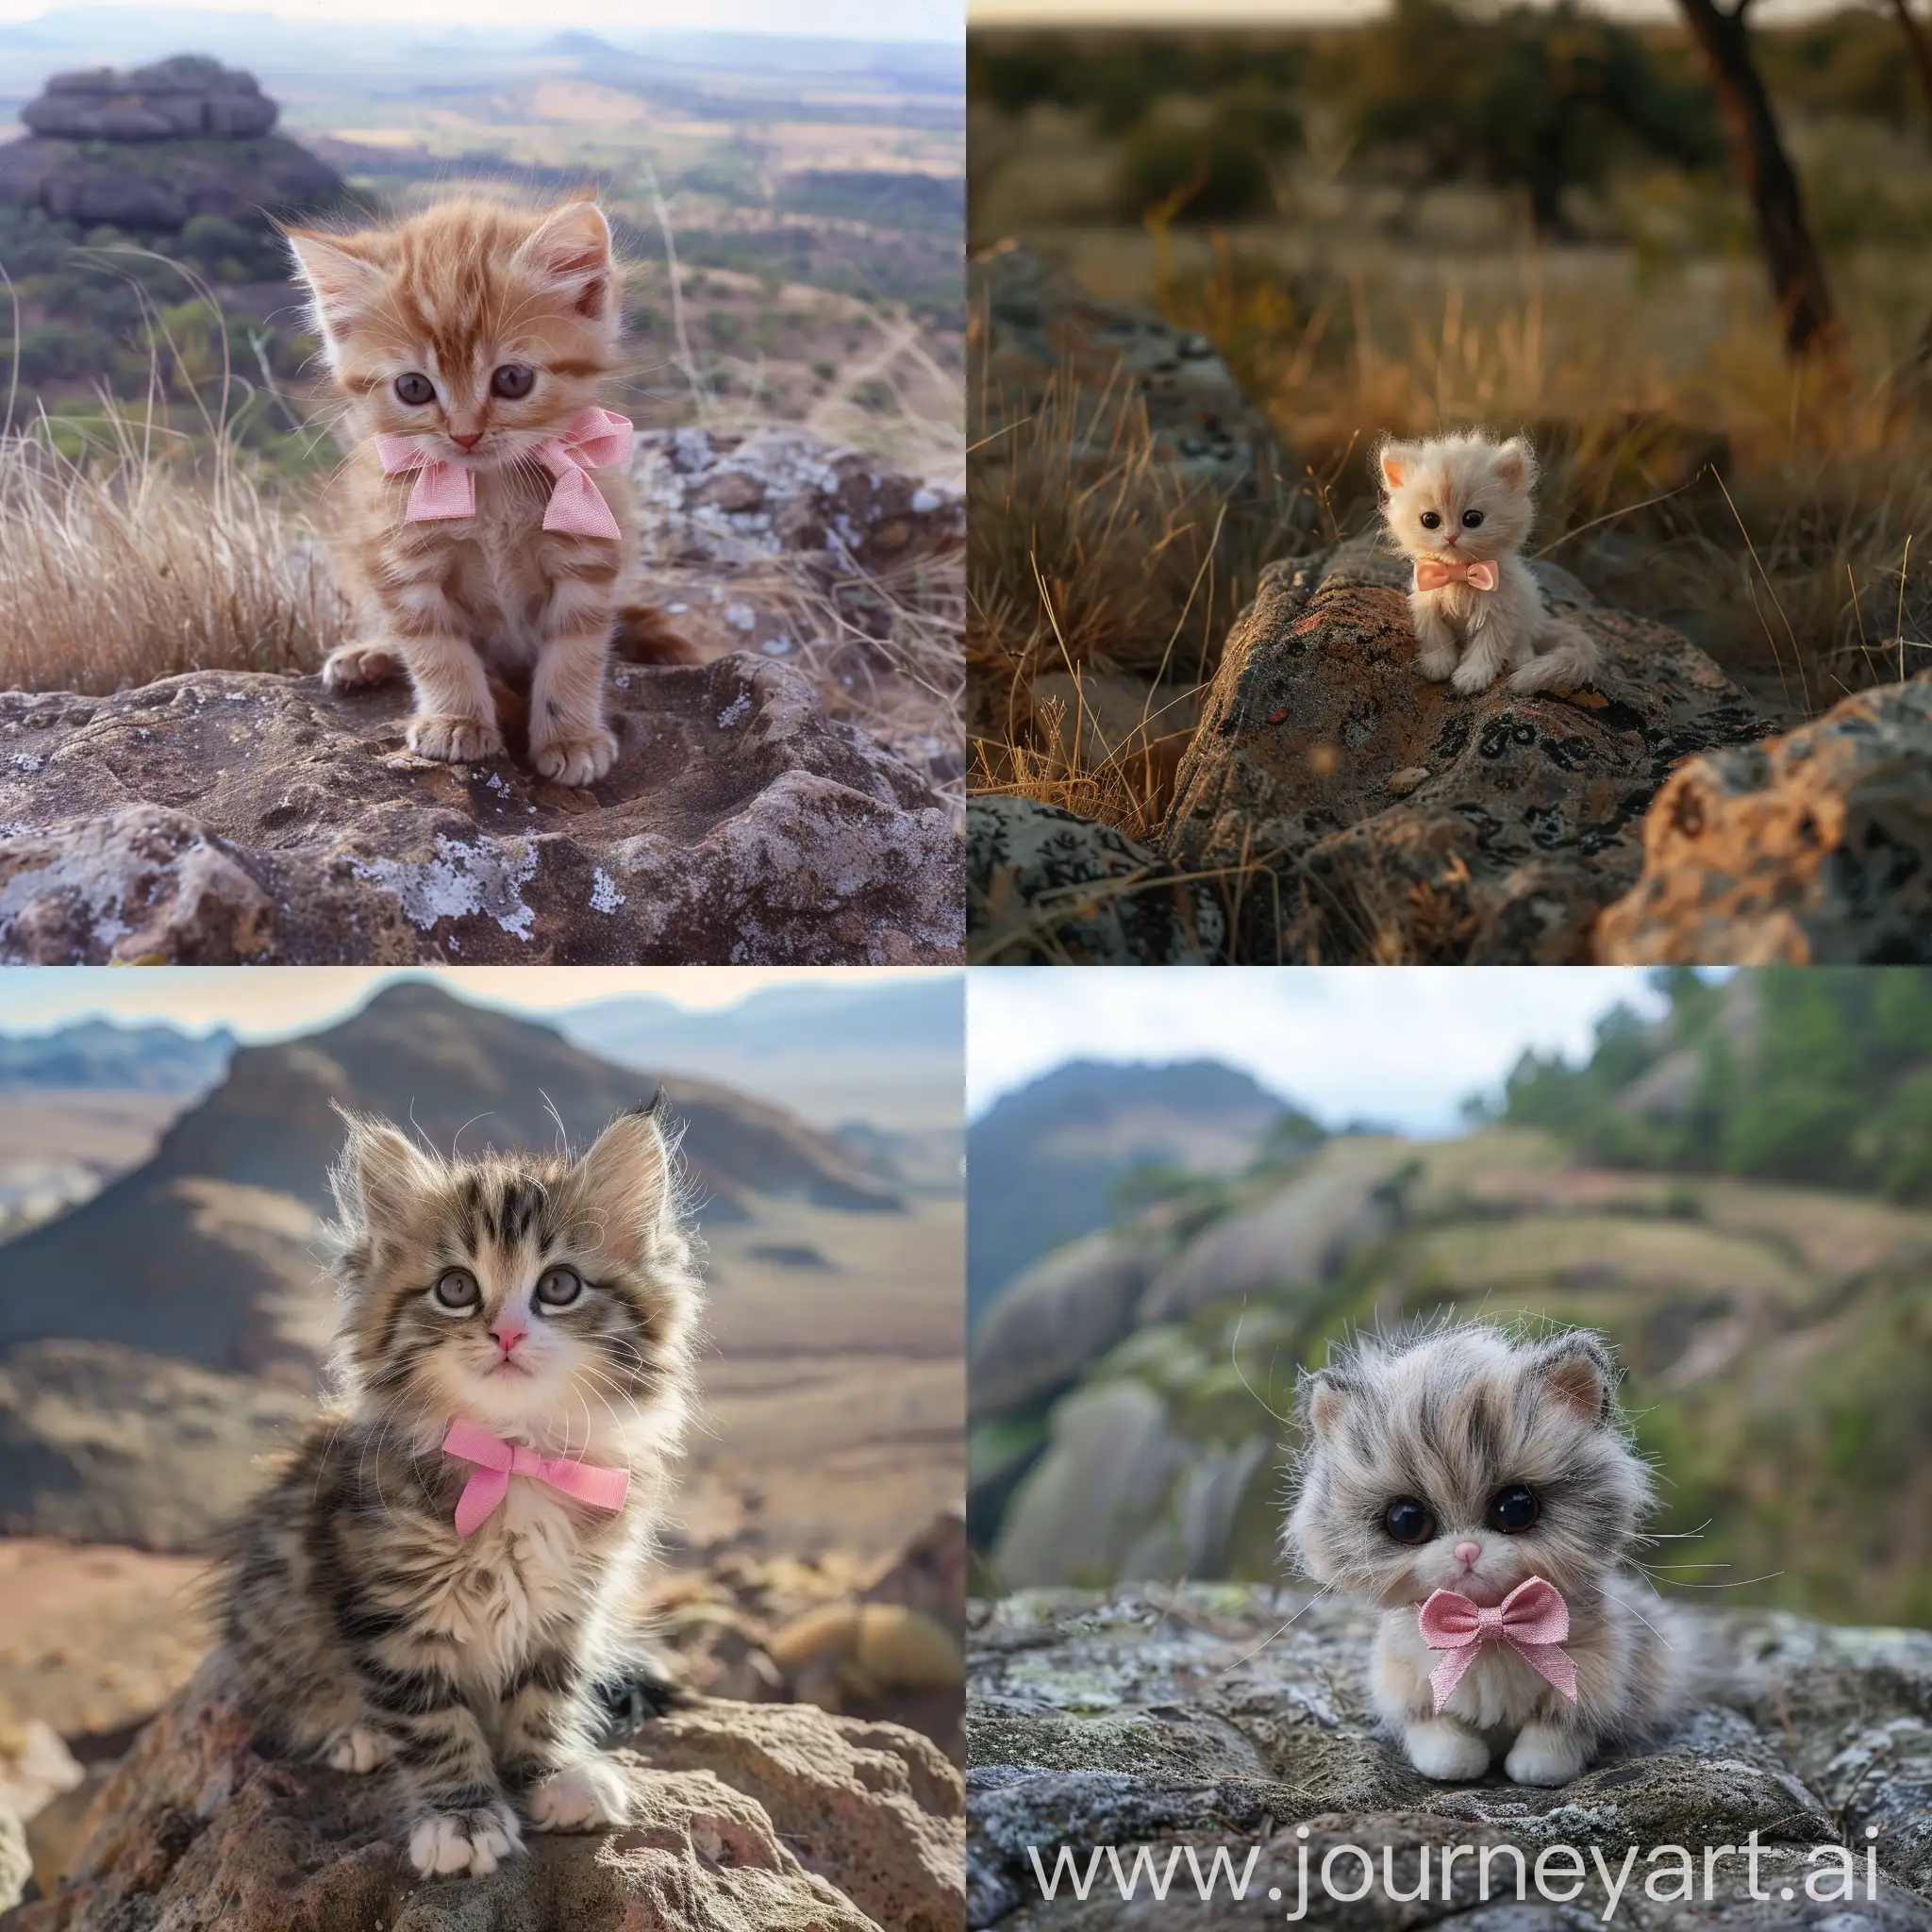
x=1433, y=490
x=478, y=607
x=1449, y=1418
x=366, y=1631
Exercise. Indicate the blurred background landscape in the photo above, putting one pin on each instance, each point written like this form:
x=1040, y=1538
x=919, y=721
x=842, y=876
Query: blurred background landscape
x=1730, y=1177
x=163, y=1309
x=1422, y=216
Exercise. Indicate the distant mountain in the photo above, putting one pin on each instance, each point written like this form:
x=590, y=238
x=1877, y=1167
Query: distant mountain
x=205, y=1253
x=1044, y=1161
x=105, y=1054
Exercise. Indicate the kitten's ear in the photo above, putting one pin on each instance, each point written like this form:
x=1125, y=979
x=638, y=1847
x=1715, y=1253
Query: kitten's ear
x=343, y=276
x=623, y=1183
x=380, y=1175
x=1581, y=1373
x=571, y=251
x=1516, y=463
x=1324, y=1397
x=1393, y=459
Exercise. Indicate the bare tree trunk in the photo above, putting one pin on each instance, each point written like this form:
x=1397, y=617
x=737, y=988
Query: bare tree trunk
x=1797, y=274
x=1916, y=43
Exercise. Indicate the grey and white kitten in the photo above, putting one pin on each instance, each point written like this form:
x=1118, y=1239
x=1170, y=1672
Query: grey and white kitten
x=1467, y=1459
x=550, y=1301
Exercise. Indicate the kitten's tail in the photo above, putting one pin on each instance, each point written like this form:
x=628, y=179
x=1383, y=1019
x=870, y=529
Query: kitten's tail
x=1573, y=660
x=642, y=634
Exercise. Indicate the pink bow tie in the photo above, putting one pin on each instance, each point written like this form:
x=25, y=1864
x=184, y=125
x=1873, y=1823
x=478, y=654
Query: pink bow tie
x=1432, y=573
x=1533, y=1620
x=497, y=1461
x=594, y=440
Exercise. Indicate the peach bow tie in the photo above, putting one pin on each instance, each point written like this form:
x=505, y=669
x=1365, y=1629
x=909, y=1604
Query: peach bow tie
x=497, y=1461
x=1533, y=1620
x=1432, y=573
x=593, y=439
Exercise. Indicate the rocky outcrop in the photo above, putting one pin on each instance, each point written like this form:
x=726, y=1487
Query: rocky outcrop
x=778, y=1817
x=1810, y=849
x=220, y=818
x=1218, y=1715
x=156, y=147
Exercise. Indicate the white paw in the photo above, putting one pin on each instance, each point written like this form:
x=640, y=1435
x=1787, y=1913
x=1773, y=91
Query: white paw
x=1441, y=1748
x=360, y=1749
x=575, y=760
x=590, y=1796
x=1474, y=675
x=1543, y=1755
x=449, y=1842
x=1437, y=666
x=349, y=665
x=458, y=740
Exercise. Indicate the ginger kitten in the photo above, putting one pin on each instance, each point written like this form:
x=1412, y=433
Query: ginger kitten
x=444, y=1572
x=490, y=530
x=1467, y=1461
x=1462, y=508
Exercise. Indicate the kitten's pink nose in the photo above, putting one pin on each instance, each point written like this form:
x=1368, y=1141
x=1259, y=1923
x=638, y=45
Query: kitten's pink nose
x=509, y=1331
x=468, y=442
x=1466, y=1554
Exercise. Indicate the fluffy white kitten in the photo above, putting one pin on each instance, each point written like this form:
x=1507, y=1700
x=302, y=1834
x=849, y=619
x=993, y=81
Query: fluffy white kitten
x=1462, y=508
x=1465, y=1458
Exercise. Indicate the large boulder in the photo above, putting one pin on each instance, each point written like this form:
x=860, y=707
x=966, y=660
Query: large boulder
x=225, y=817
x=178, y=99
x=1366, y=814
x=778, y=1817
x=1221, y=1716
x=1811, y=848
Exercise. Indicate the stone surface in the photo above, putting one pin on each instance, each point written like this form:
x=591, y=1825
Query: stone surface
x=223, y=817
x=1204, y=1716
x=16, y=1866
x=779, y=1818
x=179, y=99
x=1046, y=887
x=1811, y=848
x=1529, y=820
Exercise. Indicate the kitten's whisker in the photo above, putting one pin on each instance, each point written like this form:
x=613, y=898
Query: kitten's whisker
x=1267, y=1640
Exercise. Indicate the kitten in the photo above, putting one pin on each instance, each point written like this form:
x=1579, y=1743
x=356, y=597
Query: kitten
x=395, y=1605
x=1463, y=501
x=490, y=524
x=1463, y=1458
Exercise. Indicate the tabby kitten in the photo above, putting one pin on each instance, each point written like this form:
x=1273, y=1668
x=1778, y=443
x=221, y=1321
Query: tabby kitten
x=490, y=526
x=440, y=1576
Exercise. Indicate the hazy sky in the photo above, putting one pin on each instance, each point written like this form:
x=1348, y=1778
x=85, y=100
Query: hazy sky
x=259, y=1002
x=1397, y=1045
x=884, y=20
x=1207, y=13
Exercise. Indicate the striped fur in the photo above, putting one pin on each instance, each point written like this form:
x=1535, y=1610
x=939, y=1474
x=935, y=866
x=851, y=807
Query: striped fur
x=1448, y=1417
x=454, y=294
x=366, y=1633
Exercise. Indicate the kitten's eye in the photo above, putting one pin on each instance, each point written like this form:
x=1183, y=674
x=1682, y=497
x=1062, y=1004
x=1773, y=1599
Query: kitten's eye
x=1513, y=1508
x=415, y=389
x=559, y=1287
x=456, y=1288
x=512, y=381
x=1407, y=1521
x=1471, y=518
x=1430, y=521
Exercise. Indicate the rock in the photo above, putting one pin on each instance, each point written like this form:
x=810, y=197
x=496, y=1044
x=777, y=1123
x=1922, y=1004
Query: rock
x=154, y=147
x=1811, y=848
x=221, y=817
x=848, y=1656
x=1046, y=887
x=35, y=1767
x=16, y=1866
x=1201, y=1716
x=194, y=1829
x=1060, y=1314
x=929, y=1574
x=1526, y=824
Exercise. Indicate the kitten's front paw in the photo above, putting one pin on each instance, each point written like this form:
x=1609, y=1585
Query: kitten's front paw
x=1474, y=675
x=351, y=665
x=1439, y=1747
x=590, y=1796
x=447, y=1843
x=575, y=760
x=1543, y=1755
x=1437, y=666
x=455, y=741
x=360, y=1749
